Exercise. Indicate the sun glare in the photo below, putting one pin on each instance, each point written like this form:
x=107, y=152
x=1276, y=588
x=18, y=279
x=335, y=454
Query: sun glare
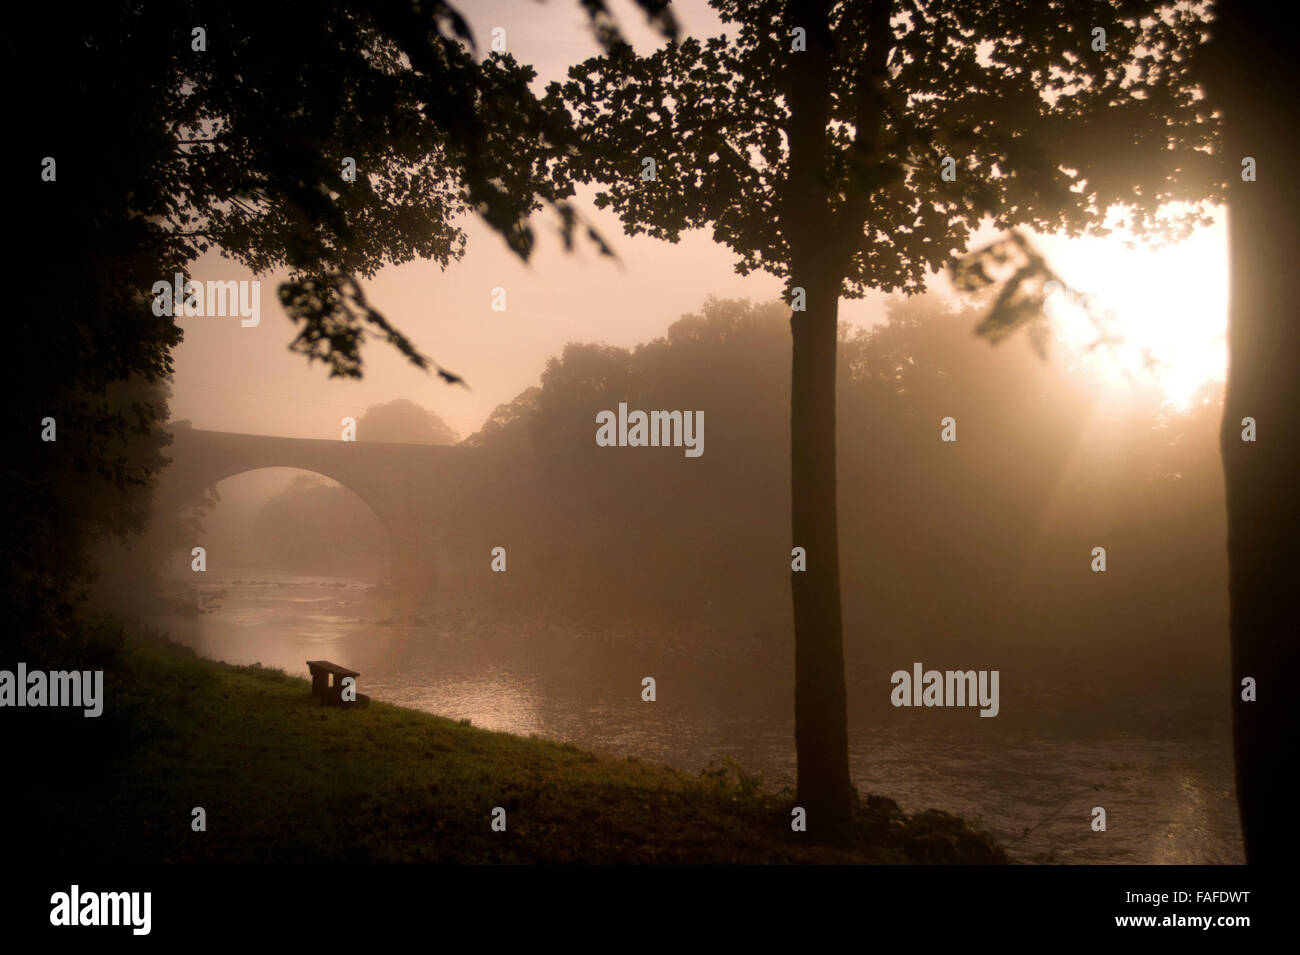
x=1168, y=309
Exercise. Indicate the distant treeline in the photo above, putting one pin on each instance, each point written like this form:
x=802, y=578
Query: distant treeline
x=965, y=549
x=973, y=552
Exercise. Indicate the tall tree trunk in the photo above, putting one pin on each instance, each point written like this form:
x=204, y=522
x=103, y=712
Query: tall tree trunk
x=1253, y=83
x=821, y=720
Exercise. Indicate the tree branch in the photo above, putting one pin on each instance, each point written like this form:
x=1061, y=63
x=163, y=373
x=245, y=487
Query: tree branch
x=865, y=159
x=805, y=197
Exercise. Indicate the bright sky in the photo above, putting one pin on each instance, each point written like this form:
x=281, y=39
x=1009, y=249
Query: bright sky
x=232, y=378
x=1172, y=302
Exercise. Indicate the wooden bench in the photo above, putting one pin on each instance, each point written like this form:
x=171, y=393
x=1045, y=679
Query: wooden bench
x=332, y=693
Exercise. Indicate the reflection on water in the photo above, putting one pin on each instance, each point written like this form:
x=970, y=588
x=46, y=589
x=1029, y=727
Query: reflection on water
x=1166, y=800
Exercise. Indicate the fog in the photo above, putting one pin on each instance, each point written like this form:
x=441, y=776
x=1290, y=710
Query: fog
x=969, y=554
x=838, y=400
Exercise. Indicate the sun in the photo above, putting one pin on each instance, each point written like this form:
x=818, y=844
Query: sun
x=1169, y=308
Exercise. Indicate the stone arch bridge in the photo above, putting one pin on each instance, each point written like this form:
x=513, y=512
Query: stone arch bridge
x=420, y=493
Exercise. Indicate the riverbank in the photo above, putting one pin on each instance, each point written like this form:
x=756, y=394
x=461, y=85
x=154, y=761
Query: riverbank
x=282, y=779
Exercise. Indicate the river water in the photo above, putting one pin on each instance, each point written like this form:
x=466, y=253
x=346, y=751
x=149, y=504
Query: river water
x=1168, y=798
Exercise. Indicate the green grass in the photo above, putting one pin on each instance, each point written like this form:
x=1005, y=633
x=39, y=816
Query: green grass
x=284, y=779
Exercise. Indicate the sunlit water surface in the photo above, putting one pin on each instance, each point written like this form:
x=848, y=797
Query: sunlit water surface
x=1167, y=800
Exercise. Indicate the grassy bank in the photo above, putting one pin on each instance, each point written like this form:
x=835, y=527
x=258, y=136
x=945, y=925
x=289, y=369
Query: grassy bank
x=284, y=779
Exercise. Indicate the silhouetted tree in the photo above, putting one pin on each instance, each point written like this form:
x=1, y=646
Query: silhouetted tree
x=814, y=140
x=402, y=420
x=1258, y=123
x=166, y=130
x=982, y=535
x=1251, y=75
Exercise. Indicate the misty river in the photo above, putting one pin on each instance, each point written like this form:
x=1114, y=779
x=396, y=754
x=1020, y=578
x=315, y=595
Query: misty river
x=1168, y=800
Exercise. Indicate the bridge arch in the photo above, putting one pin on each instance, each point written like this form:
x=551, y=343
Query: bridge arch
x=380, y=522
x=396, y=481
